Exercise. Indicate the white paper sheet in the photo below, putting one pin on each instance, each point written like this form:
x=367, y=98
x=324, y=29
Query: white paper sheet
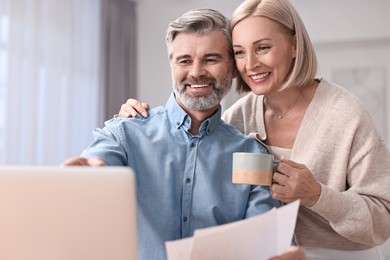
x=259, y=237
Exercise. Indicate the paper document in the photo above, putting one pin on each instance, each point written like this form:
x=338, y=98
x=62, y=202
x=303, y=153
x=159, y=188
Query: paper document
x=259, y=237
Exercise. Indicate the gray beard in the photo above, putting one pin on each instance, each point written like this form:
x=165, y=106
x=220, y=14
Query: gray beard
x=203, y=102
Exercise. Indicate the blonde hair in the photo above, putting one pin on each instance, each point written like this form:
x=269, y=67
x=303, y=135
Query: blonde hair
x=283, y=13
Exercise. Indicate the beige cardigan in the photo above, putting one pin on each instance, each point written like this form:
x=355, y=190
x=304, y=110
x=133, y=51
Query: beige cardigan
x=341, y=146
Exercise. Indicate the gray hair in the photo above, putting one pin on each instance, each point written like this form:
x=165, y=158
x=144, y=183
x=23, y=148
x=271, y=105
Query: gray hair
x=200, y=21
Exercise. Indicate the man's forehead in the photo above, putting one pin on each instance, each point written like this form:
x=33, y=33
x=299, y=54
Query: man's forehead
x=191, y=44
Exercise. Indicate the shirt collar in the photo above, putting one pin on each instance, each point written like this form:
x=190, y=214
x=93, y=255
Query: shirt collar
x=180, y=118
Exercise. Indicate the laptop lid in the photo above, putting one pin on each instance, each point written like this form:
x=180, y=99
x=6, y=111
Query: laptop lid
x=65, y=213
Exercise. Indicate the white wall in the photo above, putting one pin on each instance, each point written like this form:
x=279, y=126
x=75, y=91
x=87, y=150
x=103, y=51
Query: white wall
x=334, y=26
x=340, y=20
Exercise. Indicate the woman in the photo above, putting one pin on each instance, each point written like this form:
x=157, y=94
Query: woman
x=333, y=157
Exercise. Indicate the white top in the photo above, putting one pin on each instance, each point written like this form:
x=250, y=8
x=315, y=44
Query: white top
x=280, y=152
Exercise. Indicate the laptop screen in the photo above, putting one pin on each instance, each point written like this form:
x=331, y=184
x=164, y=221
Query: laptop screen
x=67, y=213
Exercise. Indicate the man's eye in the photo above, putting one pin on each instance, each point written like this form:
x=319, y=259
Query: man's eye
x=184, y=62
x=211, y=61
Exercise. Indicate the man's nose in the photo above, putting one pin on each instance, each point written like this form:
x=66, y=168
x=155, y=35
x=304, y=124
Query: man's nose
x=197, y=69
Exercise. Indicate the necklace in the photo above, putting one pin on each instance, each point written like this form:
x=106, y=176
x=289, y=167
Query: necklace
x=288, y=110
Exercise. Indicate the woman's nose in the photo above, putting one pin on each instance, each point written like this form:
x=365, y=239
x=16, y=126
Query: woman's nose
x=252, y=62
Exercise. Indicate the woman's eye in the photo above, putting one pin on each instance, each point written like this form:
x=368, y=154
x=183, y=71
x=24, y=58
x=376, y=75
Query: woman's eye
x=263, y=49
x=239, y=53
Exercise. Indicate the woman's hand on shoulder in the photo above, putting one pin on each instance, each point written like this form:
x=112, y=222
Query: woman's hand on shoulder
x=133, y=108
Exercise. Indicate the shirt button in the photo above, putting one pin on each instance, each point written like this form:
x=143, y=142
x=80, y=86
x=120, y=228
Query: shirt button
x=192, y=145
x=177, y=123
x=185, y=219
x=188, y=180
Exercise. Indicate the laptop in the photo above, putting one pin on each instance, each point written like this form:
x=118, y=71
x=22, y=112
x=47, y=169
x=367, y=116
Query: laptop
x=67, y=213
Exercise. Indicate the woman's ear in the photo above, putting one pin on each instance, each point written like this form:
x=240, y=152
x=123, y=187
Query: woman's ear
x=294, y=46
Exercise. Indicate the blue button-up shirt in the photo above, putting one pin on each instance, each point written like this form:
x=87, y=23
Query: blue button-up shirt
x=184, y=181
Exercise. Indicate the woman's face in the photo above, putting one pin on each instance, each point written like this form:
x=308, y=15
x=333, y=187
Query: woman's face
x=264, y=53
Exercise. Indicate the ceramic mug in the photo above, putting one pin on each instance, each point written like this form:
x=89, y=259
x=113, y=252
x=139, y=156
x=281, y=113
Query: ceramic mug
x=253, y=168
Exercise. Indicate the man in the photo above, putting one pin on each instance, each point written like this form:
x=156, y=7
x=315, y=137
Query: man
x=182, y=153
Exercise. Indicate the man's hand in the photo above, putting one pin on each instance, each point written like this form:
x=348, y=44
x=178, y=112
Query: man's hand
x=80, y=161
x=293, y=253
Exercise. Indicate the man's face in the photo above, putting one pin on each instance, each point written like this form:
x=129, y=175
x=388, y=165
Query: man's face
x=201, y=69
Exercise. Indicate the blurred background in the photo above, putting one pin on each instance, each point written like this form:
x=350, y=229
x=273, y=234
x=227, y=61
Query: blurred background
x=66, y=66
